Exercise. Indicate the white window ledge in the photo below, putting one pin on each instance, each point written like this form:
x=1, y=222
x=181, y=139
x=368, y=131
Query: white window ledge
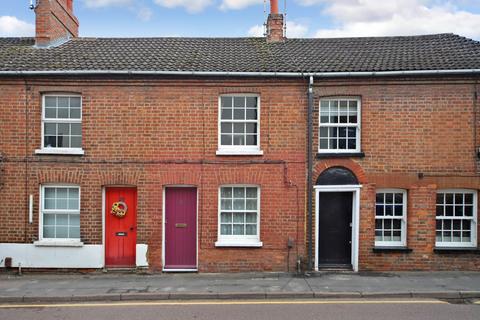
x=239, y=152
x=59, y=243
x=245, y=244
x=61, y=151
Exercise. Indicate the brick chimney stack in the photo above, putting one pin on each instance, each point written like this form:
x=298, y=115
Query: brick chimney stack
x=54, y=22
x=275, y=32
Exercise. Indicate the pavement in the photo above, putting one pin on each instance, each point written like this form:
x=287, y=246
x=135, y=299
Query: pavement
x=39, y=287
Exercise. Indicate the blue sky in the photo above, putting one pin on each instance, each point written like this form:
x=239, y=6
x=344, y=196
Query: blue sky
x=238, y=18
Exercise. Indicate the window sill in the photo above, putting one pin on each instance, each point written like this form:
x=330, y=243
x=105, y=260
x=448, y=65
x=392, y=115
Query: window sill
x=327, y=155
x=239, y=244
x=381, y=249
x=239, y=152
x=59, y=243
x=66, y=152
x=447, y=250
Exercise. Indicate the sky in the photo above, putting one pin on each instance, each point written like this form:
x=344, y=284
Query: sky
x=240, y=18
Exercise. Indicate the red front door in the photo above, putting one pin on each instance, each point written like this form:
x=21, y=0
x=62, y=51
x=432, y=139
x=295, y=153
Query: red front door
x=120, y=227
x=180, y=228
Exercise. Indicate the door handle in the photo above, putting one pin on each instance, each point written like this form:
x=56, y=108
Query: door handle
x=180, y=225
x=132, y=228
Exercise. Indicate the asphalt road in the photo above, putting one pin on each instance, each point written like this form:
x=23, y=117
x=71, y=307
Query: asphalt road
x=251, y=310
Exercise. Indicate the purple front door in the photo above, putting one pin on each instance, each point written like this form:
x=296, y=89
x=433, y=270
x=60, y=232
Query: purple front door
x=180, y=228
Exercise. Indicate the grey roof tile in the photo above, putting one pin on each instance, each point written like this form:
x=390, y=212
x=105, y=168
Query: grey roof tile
x=428, y=52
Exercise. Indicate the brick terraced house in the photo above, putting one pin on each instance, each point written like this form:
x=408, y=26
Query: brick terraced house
x=238, y=154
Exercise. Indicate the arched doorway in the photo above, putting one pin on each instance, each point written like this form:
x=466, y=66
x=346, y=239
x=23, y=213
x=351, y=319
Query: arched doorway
x=337, y=193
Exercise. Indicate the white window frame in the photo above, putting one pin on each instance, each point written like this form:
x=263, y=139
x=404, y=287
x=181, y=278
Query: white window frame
x=473, y=235
x=403, y=219
x=67, y=151
x=56, y=241
x=358, y=126
x=238, y=150
x=237, y=240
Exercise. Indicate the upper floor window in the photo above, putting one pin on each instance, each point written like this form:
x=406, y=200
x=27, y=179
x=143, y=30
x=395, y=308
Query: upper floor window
x=60, y=213
x=239, y=216
x=339, y=125
x=456, y=214
x=391, y=217
x=61, y=124
x=239, y=127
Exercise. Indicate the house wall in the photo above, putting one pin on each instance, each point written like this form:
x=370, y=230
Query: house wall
x=426, y=127
x=152, y=133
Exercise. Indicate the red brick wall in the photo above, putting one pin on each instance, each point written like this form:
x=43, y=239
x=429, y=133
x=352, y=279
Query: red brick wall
x=155, y=133
x=54, y=20
x=410, y=127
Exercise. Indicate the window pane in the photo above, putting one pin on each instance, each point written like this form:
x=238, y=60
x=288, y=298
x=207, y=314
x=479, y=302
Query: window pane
x=50, y=113
x=239, y=204
x=74, y=220
x=380, y=197
x=63, y=113
x=48, y=232
x=251, y=128
x=251, y=114
x=239, y=192
x=51, y=102
x=49, y=219
x=323, y=143
x=440, y=211
x=62, y=220
x=226, y=140
x=61, y=232
x=239, y=114
x=324, y=105
x=379, y=210
x=251, y=204
x=73, y=204
x=63, y=129
x=76, y=142
x=74, y=233
x=226, y=229
x=226, y=128
x=49, y=203
x=468, y=198
x=399, y=210
x=50, y=141
x=238, y=229
x=50, y=129
x=63, y=102
x=62, y=193
x=238, y=140
x=74, y=102
x=239, y=102
x=239, y=128
x=226, y=192
x=227, y=102
x=389, y=198
x=251, y=102
x=251, y=229
x=75, y=113
x=251, y=140
x=440, y=198
x=238, y=218
x=76, y=129
x=251, y=217
x=227, y=114
x=226, y=204
x=251, y=192
x=226, y=217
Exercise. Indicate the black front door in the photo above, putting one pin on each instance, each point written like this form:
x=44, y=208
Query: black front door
x=334, y=228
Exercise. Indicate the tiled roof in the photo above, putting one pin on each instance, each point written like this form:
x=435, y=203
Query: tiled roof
x=428, y=52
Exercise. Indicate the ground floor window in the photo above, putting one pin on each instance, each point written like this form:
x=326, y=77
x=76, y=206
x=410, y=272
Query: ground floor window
x=456, y=218
x=60, y=212
x=239, y=214
x=390, y=217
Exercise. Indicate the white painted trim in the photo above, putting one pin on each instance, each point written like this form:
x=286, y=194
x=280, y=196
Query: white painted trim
x=41, y=209
x=239, y=150
x=474, y=242
x=60, y=243
x=358, y=126
x=246, y=74
x=104, y=247
x=163, y=228
x=61, y=151
x=355, y=189
x=238, y=241
x=30, y=209
x=404, y=219
x=29, y=255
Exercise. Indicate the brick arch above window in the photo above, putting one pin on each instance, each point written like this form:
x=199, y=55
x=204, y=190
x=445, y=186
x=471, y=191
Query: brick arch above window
x=64, y=175
x=351, y=165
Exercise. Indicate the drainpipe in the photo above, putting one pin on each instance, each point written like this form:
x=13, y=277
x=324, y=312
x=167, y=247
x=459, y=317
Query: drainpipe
x=310, y=173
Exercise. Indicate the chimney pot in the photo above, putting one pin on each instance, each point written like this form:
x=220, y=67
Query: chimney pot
x=275, y=32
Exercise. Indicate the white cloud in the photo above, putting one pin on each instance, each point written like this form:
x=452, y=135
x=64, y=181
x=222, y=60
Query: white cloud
x=395, y=17
x=13, y=27
x=256, y=31
x=144, y=13
x=106, y=3
x=192, y=6
x=294, y=30
x=238, y=4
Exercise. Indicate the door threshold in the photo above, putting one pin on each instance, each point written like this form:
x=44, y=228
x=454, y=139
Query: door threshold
x=180, y=270
x=120, y=269
x=335, y=267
